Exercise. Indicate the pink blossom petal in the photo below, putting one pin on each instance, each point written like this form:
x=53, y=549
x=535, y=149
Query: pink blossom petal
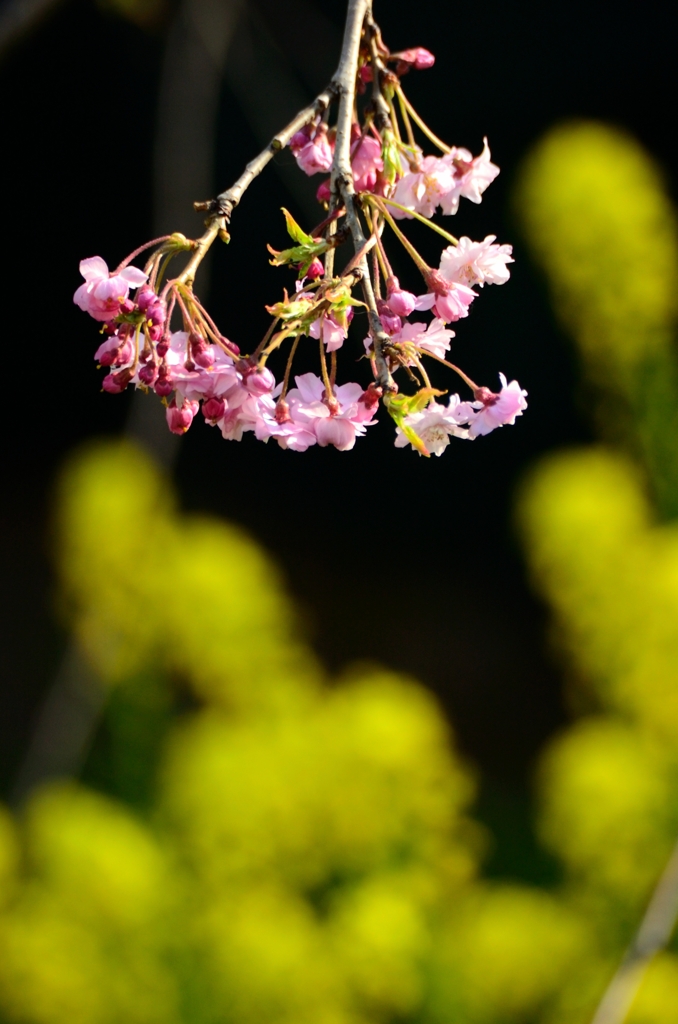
x=94, y=269
x=133, y=276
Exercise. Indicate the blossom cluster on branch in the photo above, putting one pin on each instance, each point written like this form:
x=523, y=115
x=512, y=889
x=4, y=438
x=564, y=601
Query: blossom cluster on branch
x=161, y=337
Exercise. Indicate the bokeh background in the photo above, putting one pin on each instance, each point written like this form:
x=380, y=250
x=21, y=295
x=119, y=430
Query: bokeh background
x=527, y=581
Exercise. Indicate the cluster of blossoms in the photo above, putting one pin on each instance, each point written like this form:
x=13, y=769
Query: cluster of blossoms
x=162, y=338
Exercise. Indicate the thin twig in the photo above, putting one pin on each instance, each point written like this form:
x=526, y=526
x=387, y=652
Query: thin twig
x=653, y=934
x=342, y=176
x=225, y=202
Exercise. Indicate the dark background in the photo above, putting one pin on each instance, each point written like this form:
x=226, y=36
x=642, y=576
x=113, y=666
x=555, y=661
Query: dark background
x=425, y=573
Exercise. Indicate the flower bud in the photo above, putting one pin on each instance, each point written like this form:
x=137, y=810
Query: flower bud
x=301, y=138
x=162, y=348
x=156, y=313
x=213, y=409
x=114, y=383
x=401, y=302
x=261, y=382
x=148, y=374
x=201, y=353
x=324, y=194
x=417, y=58
x=389, y=320
x=315, y=270
x=180, y=419
x=127, y=306
x=155, y=332
x=164, y=385
x=146, y=297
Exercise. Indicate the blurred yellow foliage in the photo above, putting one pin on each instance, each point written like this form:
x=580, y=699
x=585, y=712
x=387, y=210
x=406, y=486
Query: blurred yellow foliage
x=604, y=232
x=203, y=601
x=307, y=856
x=593, y=208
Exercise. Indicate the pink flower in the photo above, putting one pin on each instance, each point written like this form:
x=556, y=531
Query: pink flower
x=103, y=293
x=433, y=337
x=332, y=333
x=472, y=175
x=213, y=381
x=278, y=421
x=497, y=410
x=336, y=422
x=243, y=412
x=434, y=425
x=312, y=149
x=366, y=163
x=480, y=263
x=422, y=190
x=179, y=418
x=450, y=303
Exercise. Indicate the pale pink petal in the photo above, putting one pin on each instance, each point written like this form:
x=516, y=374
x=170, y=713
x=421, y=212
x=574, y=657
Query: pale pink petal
x=94, y=268
x=133, y=276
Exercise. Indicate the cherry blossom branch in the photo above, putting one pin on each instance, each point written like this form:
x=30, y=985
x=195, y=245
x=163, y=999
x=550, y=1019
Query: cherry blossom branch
x=653, y=934
x=225, y=202
x=341, y=181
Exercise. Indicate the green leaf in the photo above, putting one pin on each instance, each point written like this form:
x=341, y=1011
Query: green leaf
x=294, y=231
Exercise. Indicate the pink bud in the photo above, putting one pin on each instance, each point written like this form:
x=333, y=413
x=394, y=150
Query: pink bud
x=257, y=381
x=156, y=312
x=162, y=348
x=365, y=73
x=201, y=353
x=315, y=270
x=126, y=306
x=155, y=333
x=164, y=386
x=213, y=409
x=324, y=194
x=148, y=374
x=179, y=420
x=301, y=138
x=390, y=322
x=114, y=383
x=146, y=297
x=417, y=58
x=401, y=302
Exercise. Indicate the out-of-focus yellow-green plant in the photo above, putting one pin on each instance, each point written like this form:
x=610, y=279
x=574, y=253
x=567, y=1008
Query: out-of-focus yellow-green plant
x=599, y=222
x=604, y=232
x=259, y=845
x=301, y=852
